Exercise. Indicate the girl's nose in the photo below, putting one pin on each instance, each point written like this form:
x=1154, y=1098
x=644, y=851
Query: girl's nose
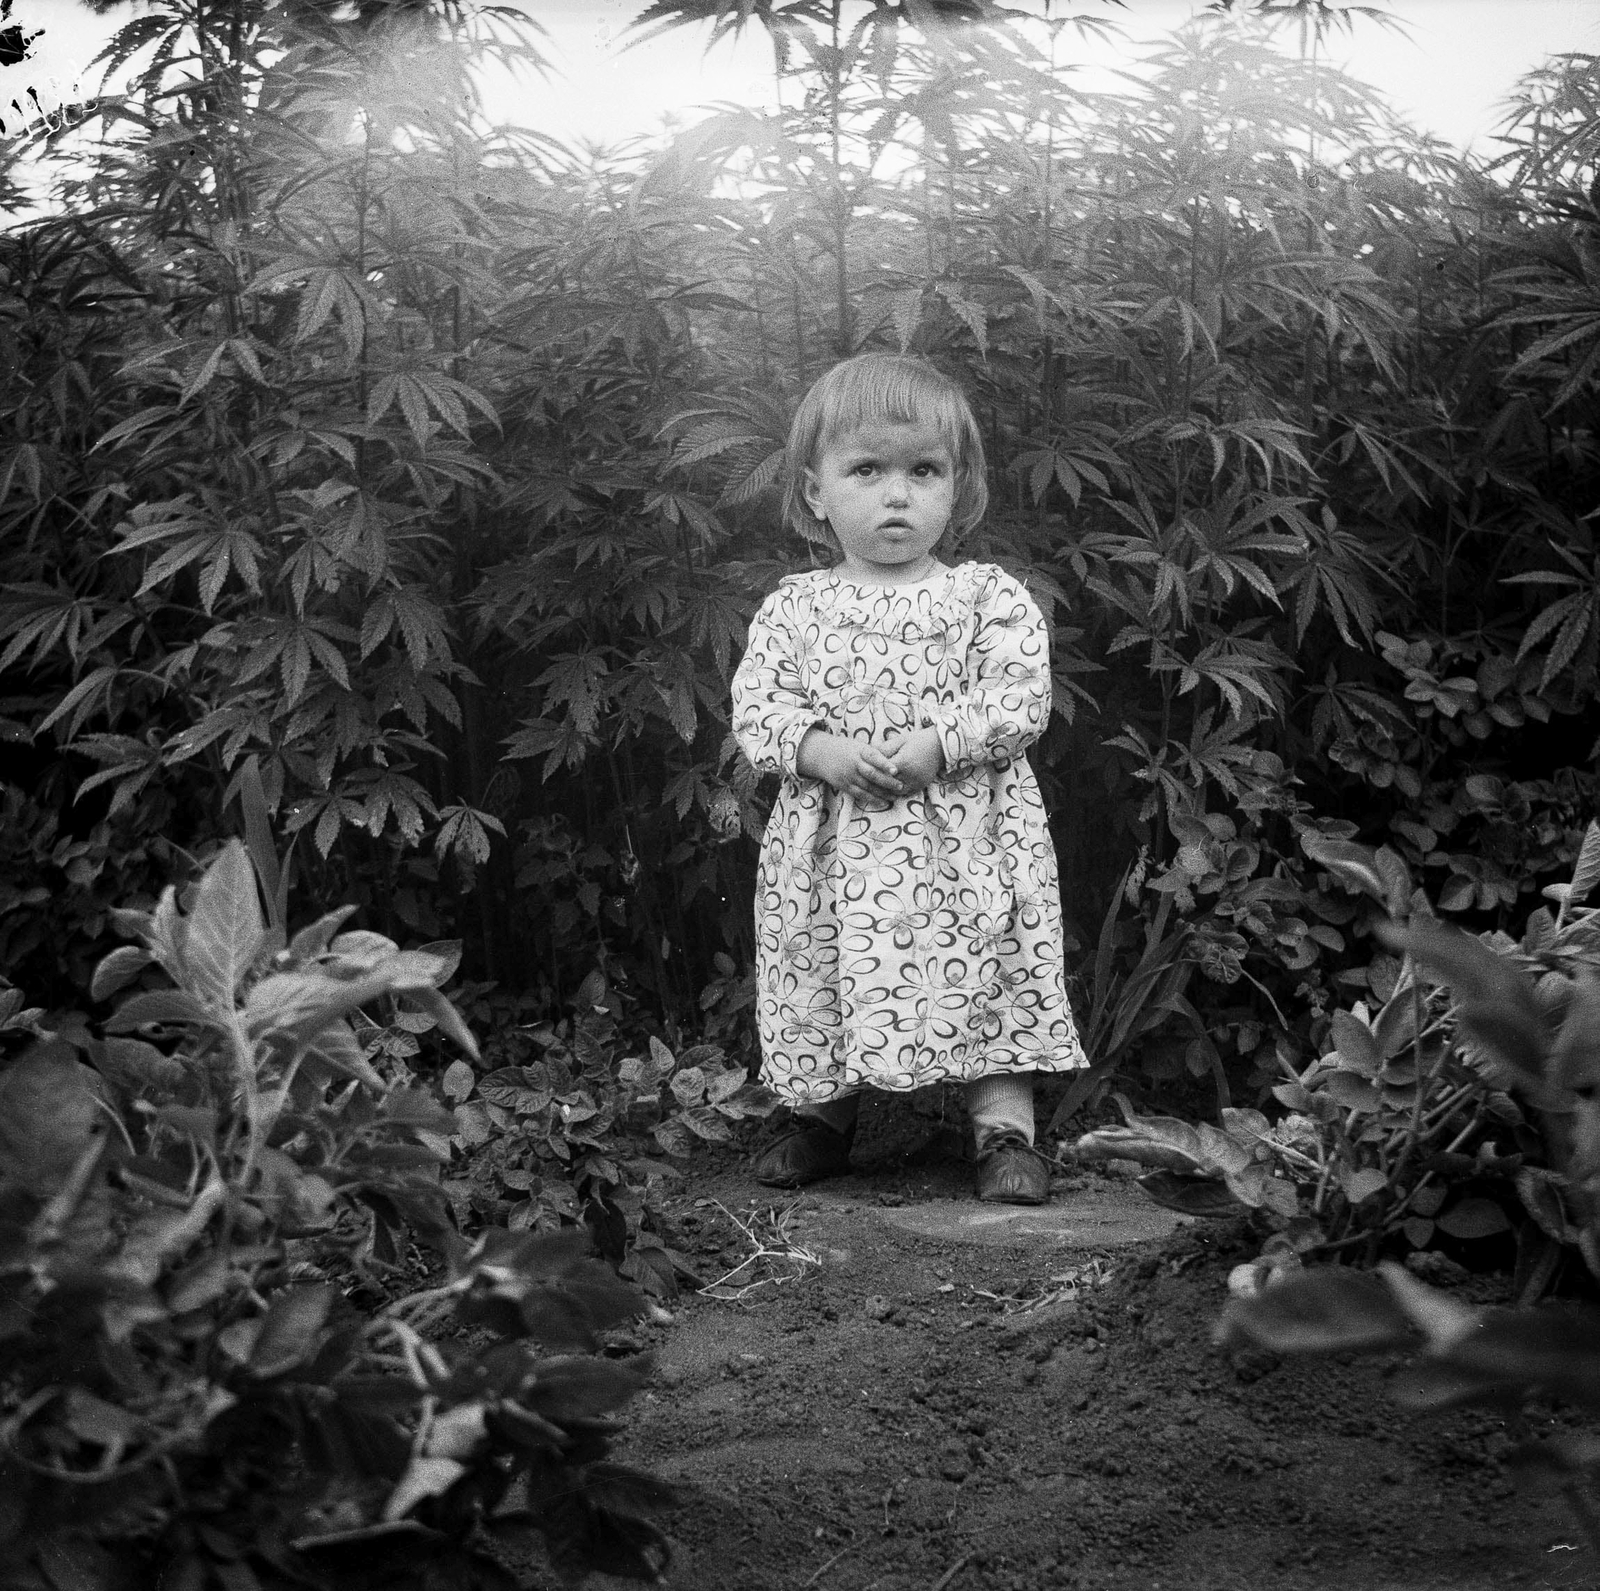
x=895, y=488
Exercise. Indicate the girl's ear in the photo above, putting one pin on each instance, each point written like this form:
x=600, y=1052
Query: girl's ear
x=809, y=491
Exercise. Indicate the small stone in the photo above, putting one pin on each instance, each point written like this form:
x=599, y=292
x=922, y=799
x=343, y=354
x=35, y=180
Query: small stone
x=669, y=1376
x=879, y=1308
x=1438, y=1268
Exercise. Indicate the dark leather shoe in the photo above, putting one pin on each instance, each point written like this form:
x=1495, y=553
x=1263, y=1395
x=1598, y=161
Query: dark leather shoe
x=1011, y=1171
x=808, y=1154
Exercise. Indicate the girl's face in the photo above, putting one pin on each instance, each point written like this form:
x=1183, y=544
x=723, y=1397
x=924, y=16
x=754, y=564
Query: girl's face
x=885, y=491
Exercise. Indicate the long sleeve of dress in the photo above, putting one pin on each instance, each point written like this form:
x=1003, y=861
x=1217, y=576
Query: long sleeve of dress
x=772, y=709
x=1008, y=705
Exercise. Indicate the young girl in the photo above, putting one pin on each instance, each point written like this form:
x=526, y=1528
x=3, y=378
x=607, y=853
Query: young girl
x=907, y=912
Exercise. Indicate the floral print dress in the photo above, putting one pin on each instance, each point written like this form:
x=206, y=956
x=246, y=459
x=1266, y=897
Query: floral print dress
x=916, y=940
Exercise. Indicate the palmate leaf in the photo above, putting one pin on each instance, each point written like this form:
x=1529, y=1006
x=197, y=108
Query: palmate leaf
x=189, y=538
x=580, y=683
x=416, y=615
x=761, y=477
x=90, y=695
x=1570, y=639
x=337, y=292
x=390, y=794
x=130, y=765
x=1335, y=568
x=971, y=315
x=716, y=620
x=560, y=744
x=466, y=830
x=43, y=617
x=1237, y=674
x=714, y=438
x=418, y=391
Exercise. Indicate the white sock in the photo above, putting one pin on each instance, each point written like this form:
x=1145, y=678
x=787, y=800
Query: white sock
x=1001, y=1101
x=839, y=1114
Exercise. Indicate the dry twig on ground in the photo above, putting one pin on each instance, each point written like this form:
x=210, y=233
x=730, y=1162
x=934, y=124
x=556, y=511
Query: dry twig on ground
x=773, y=1249
x=1062, y=1288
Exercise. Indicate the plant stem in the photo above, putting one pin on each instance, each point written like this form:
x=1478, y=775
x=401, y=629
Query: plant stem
x=841, y=204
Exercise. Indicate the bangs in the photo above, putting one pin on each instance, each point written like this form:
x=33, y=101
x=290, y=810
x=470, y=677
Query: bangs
x=883, y=390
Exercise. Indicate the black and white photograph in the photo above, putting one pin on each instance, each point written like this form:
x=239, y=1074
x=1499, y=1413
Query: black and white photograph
x=800, y=795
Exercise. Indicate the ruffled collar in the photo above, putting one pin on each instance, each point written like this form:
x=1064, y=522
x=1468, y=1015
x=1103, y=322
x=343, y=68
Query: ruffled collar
x=931, y=606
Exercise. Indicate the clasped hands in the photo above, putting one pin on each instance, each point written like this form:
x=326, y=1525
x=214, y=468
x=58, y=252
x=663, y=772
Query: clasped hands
x=904, y=764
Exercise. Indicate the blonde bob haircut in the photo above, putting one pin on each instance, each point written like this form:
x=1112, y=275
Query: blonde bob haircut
x=874, y=389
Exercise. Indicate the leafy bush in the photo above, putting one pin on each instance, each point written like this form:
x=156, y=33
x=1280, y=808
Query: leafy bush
x=218, y=1364
x=569, y=1134
x=1404, y=1128
x=348, y=434
x=1500, y=1357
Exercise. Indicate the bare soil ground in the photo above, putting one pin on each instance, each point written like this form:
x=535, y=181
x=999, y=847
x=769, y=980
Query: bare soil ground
x=922, y=1414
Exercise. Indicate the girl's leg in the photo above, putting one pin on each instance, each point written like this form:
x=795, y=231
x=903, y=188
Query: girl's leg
x=839, y=1114
x=818, y=1145
x=1000, y=1103
x=1009, y=1172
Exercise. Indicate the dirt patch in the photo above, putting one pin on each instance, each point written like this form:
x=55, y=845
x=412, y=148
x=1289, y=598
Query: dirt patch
x=916, y=1412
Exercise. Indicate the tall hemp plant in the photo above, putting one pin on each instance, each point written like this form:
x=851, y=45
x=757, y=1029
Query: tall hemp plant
x=1278, y=397
x=244, y=457
x=1126, y=284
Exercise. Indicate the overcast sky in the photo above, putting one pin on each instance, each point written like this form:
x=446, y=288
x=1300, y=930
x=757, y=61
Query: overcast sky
x=1460, y=60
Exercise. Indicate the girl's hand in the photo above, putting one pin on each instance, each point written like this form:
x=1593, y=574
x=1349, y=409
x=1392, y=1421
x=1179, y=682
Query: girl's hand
x=917, y=758
x=851, y=766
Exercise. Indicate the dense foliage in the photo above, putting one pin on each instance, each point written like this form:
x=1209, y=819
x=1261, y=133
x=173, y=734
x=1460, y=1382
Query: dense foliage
x=1406, y=1128
x=220, y=1368
x=406, y=484
x=1545, y=1048
x=424, y=472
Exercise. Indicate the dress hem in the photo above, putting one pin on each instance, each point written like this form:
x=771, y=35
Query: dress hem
x=789, y=1094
